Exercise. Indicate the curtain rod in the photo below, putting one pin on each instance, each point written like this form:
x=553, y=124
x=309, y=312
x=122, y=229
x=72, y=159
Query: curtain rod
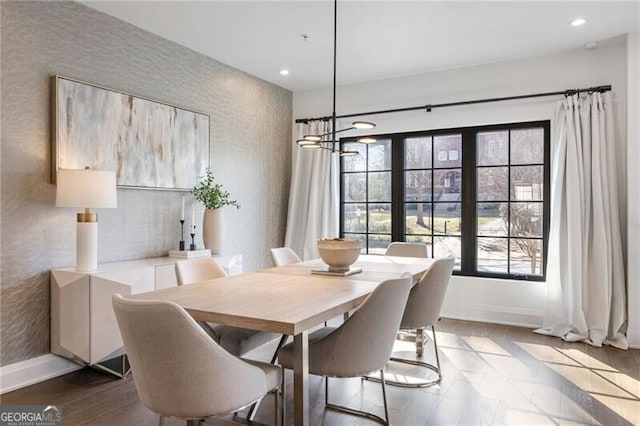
x=429, y=107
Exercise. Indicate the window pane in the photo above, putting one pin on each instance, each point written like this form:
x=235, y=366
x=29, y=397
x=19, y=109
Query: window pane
x=492, y=148
x=380, y=186
x=526, y=183
x=380, y=155
x=527, y=146
x=354, y=186
x=356, y=163
x=447, y=151
x=378, y=243
x=492, y=184
x=361, y=237
x=526, y=257
x=505, y=188
x=355, y=219
x=417, y=153
x=446, y=218
x=380, y=218
x=492, y=255
x=492, y=220
x=424, y=240
x=418, y=218
x=526, y=219
x=447, y=184
x=447, y=246
x=417, y=185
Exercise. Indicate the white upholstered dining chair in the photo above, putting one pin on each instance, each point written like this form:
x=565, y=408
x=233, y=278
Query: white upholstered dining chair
x=180, y=372
x=407, y=249
x=422, y=311
x=361, y=345
x=284, y=256
x=236, y=340
x=191, y=271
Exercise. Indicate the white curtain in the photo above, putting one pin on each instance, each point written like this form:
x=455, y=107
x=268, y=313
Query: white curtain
x=313, y=196
x=586, y=294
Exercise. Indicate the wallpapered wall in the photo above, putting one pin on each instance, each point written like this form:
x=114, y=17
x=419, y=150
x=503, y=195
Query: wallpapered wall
x=250, y=153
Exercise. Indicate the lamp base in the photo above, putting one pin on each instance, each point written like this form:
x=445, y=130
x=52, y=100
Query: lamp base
x=86, y=246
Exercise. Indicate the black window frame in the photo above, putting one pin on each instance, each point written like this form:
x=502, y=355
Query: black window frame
x=469, y=232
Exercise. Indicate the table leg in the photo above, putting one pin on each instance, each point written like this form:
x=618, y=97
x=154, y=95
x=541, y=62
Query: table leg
x=301, y=379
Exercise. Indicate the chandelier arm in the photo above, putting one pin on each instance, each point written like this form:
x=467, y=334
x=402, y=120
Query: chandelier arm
x=337, y=131
x=339, y=151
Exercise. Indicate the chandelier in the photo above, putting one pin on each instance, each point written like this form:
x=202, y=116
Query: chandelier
x=328, y=140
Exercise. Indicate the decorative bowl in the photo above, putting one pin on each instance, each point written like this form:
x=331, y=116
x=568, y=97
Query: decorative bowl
x=339, y=253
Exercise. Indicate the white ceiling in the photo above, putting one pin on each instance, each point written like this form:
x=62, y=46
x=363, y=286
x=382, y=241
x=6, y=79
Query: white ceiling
x=376, y=39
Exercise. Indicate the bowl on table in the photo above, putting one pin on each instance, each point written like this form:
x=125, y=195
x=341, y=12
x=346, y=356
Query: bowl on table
x=339, y=253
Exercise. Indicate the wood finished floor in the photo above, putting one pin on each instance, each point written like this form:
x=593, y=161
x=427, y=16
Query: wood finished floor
x=493, y=375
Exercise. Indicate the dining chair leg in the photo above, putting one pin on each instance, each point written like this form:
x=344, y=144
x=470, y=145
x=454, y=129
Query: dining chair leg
x=278, y=405
x=281, y=343
x=420, y=383
x=384, y=395
x=353, y=411
x=251, y=414
x=254, y=408
x=435, y=348
x=326, y=391
x=419, y=341
x=194, y=422
x=161, y=421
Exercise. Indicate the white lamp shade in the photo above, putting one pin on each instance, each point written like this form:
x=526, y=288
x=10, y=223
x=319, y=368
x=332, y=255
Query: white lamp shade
x=86, y=189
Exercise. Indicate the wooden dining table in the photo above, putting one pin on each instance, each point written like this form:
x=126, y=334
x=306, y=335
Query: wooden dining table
x=289, y=300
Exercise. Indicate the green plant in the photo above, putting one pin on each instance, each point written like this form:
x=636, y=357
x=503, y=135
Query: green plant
x=211, y=194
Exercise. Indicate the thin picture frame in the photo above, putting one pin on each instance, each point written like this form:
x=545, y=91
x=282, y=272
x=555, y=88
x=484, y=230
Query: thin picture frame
x=148, y=143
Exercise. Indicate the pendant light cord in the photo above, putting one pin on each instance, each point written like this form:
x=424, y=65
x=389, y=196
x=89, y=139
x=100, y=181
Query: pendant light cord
x=335, y=46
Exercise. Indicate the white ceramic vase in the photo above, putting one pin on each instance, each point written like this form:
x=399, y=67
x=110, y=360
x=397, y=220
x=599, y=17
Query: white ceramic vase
x=213, y=230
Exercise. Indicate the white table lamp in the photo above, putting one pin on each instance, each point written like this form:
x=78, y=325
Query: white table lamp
x=86, y=189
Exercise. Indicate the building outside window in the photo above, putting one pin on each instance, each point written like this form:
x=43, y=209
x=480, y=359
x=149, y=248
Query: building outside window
x=480, y=194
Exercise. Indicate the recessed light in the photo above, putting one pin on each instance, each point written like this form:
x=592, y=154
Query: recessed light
x=577, y=22
x=284, y=72
x=591, y=45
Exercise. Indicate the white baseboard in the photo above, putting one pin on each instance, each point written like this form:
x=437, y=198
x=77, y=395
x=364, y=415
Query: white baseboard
x=24, y=373
x=633, y=337
x=495, y=314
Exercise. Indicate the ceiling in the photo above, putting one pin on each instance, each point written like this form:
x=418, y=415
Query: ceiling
x=376, y=39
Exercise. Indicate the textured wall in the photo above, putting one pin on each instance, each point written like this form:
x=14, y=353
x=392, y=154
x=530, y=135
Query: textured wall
x=250, y=153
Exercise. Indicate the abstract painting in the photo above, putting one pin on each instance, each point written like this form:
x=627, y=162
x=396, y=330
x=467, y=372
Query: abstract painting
x=148, y=144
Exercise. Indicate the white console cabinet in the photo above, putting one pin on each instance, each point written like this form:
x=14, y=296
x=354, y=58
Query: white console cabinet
x=83, y=324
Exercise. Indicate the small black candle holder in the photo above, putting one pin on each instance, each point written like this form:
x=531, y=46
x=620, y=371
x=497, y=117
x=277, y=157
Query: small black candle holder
x=192, y=247
x=181, y=234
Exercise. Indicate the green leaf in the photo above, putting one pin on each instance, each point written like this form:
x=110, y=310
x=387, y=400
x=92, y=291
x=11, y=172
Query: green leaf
x=211, y=194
